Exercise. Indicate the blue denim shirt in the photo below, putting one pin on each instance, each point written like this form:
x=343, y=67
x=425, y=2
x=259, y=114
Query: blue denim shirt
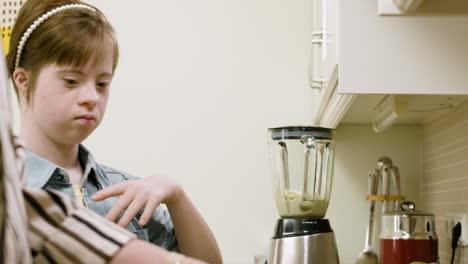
x=42, y=173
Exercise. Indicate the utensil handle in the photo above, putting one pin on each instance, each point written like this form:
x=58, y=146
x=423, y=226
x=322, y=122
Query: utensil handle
x=385, y=186
x=374, y=176
x=396, y=183
x=370, y=227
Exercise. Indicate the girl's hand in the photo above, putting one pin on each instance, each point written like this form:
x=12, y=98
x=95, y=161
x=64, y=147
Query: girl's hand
x=146, y=193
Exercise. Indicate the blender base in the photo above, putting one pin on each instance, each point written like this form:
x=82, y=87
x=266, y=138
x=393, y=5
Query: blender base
x=303, y=241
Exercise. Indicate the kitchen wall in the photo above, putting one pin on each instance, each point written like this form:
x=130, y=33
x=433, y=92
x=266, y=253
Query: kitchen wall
x=445, y=175
x=357, y=151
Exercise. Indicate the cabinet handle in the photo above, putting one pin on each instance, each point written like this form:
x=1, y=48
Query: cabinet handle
x=317, y=37
x=314, y=81
x=317, y=33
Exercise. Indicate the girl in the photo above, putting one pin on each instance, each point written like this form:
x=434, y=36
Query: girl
x=62, y=57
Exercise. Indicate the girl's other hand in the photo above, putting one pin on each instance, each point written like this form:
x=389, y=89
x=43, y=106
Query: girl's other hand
x=146, y=193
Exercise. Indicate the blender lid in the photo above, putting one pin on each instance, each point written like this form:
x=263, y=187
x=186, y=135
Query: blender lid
x=296, y=132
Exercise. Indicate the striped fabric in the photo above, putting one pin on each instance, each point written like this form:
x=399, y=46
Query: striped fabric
x=13, y=222
x=61, y=231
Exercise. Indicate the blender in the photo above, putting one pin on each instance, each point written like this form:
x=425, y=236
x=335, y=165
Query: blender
x=301, y=162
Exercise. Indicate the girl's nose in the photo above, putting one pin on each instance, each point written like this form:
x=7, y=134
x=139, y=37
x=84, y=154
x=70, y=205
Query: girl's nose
x=89, y=96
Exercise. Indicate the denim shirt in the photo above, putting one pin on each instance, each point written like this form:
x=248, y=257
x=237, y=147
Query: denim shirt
x=42, y=173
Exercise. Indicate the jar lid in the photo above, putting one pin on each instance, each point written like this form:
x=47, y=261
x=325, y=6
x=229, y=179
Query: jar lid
x=408, y=208
x=408, y=224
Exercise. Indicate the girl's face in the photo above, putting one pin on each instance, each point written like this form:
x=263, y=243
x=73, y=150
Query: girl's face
x=69, y=103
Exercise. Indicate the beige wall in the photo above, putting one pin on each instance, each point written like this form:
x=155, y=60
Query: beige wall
x=445, y=176
x=357, y=151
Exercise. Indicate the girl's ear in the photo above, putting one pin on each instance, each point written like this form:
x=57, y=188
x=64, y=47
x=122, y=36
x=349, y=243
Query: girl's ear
x=22, y=81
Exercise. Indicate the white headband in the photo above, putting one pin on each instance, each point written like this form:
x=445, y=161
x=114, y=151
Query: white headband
x=39, y=21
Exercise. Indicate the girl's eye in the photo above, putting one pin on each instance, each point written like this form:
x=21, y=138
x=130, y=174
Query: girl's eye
x=71, y=81
x=103, y=85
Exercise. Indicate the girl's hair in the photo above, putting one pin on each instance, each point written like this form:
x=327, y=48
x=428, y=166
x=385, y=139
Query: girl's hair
x=71, y=37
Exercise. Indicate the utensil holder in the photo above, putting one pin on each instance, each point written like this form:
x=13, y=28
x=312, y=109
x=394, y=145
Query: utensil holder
x=385, y=198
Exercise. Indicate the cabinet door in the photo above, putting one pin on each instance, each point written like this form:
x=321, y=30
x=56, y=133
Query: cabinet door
x=419, y=54
x=330, y=35
x=323, y=57
x=324, y=42
x=316, y=78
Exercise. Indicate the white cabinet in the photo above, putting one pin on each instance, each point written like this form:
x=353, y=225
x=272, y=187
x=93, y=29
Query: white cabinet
x=329, y=106
x=362, y=57
x=419, y=54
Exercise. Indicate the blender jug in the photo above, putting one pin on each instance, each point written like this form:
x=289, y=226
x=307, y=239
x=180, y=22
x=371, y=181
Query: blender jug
x=301, y=161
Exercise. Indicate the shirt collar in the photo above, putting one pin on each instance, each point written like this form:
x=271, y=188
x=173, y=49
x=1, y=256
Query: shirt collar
x=39, y=170
x=88, y=160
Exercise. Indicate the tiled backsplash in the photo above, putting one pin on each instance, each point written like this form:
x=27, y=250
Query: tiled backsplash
x=445, y=174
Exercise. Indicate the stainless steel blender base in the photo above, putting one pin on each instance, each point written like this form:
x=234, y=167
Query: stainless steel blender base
x=309, y=249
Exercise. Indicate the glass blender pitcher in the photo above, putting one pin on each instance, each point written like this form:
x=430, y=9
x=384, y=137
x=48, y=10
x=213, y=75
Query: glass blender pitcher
x=302, y=165
x=301, y=162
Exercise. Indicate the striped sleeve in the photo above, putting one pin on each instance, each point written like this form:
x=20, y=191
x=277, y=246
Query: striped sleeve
x=60, y=231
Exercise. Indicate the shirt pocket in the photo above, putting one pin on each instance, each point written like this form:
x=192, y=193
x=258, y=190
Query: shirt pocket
x=142, y=234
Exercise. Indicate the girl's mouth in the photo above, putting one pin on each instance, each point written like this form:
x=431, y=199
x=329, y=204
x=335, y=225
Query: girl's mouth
x=86, y=120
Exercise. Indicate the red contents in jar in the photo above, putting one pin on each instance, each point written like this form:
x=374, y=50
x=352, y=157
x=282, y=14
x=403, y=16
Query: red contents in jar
x=405, y=251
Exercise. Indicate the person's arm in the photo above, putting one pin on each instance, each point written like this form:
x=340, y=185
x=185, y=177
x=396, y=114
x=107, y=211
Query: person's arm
x=138, y=251
x=193, y=234
x=194, y=237
x=62, y=232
